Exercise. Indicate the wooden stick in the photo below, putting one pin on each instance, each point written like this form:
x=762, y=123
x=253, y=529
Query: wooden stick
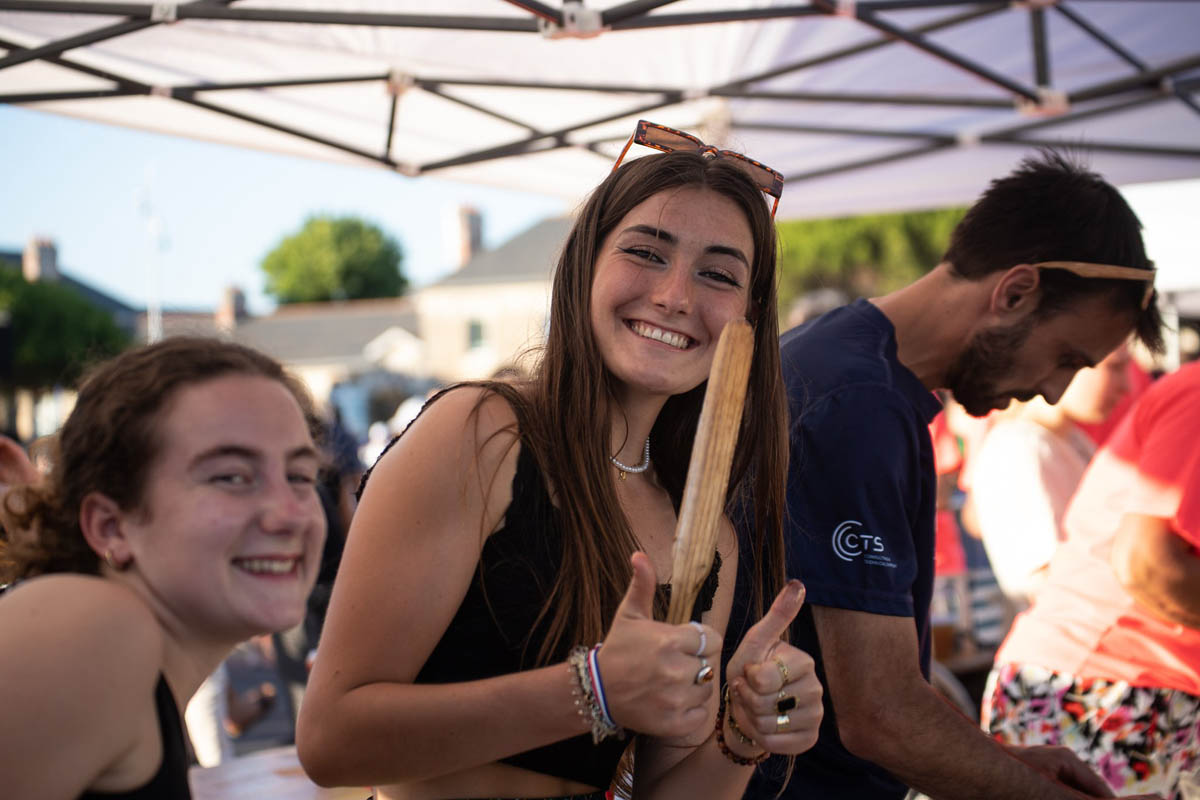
x=708, y=472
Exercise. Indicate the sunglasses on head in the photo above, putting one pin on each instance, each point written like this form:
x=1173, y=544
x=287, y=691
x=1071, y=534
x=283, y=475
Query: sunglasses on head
x=1085, y=269
x=669, y=140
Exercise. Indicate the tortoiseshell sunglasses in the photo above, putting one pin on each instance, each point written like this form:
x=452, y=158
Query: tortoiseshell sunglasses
x=669, y=140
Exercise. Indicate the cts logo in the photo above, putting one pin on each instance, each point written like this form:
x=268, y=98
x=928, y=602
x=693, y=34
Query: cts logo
x=850, y=543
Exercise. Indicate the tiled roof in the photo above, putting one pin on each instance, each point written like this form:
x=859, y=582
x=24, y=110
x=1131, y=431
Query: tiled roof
x=325, y=331
x=98, y=298
x=528, y=256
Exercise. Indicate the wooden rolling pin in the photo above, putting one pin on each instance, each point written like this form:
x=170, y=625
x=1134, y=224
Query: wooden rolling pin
x=708, y=472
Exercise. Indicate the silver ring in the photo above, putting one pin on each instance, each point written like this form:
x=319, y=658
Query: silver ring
x=703, y=638
x=705, y=674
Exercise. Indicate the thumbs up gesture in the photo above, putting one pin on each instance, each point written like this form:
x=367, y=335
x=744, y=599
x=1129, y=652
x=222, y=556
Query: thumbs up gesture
x=653, y=673
x=774, y=694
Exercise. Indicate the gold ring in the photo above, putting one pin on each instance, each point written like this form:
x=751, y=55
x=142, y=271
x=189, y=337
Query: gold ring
x=784, y=702
x=783, y=671
x=782, y=723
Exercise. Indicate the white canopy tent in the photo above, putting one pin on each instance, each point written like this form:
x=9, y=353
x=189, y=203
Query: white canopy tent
x=868, y=106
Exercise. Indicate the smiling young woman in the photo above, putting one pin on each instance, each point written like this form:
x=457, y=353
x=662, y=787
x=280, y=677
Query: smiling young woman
x=179, y=518
x=514, y=526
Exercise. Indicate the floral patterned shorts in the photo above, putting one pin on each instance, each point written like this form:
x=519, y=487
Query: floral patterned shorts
x=1139, y=739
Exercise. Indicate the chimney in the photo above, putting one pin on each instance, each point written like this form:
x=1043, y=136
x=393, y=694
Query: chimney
x=231, y=310
x=40, y=260
x=465, y=235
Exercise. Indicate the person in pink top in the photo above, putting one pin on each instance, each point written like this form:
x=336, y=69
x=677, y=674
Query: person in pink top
x=1107, y=662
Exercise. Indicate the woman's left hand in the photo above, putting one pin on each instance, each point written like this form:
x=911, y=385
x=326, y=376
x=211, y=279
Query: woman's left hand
x=775, y=697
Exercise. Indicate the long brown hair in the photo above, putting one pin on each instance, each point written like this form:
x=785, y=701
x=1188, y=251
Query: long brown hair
x=565, y=411
x=109, y=444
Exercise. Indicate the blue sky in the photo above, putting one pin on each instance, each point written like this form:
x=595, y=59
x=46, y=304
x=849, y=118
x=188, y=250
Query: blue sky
x=222, y=209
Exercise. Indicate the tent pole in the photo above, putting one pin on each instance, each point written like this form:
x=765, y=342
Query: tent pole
x=204, y=10
x=859, y=49
x=312, y=137
x=120, y=80
x=1040, y=46
x=279, y=84
x=838, y=130
x=1102, y=147
x=387, y=144
x=1147, y=79
x=869, y=162
x=83, y=94
x=1077, y=116
x=842, y=97
x=634, y=8
x=62, y=45
x=936, y=50
x=710, y=17
x=1121, y=52
x=1101, y=37
x=82, y=39
x=434, y=89
x=539, y=10
x=560, y=136
x=570, y=87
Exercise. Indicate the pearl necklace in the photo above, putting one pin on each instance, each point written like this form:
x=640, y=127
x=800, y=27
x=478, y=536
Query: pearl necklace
x=640, y=468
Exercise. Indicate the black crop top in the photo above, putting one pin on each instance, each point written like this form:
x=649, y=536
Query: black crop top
x=488, y=634
x=171, y=780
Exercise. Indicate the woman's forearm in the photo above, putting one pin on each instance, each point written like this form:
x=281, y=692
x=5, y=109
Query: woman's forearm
x=382, y=733
x=705, y=772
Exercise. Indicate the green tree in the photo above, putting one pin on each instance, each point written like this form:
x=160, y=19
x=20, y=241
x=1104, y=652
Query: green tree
x=335, y=258
x=55, y=332
x=861, y=255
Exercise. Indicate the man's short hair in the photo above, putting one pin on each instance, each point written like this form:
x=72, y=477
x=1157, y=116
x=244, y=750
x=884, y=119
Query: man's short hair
x=1052, y=208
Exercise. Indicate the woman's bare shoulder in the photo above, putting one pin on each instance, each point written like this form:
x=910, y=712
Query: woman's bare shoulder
x=479, y=412
x=81, y=657
x=84, y=619
x=464, y=438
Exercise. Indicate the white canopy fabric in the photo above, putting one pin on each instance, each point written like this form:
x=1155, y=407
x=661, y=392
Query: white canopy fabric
x=867, y=106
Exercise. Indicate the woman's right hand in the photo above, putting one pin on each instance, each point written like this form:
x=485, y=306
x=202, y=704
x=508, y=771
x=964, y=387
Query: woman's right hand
x=649, y=669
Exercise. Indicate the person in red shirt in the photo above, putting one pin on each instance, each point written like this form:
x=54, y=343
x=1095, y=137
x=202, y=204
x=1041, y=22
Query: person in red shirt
x=1107, y=662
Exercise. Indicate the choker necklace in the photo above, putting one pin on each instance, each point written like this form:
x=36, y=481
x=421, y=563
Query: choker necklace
x=642, y=467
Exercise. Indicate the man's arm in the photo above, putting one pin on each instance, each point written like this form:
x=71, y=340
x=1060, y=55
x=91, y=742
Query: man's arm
x=1158, y=568
x=888, y=714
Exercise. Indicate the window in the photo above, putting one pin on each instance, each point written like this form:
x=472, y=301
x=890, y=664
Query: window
x=474, y=334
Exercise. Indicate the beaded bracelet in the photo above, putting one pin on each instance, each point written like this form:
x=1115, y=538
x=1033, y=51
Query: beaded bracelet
x=589, y=694
x=741, y=761
x=733, y=726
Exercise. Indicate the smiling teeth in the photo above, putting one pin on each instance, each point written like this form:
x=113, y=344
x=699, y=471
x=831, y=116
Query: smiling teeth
x=271, y=566
x=677, y=340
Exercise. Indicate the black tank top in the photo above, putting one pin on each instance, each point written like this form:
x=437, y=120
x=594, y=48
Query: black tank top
x=171, y=781
x=490, y=631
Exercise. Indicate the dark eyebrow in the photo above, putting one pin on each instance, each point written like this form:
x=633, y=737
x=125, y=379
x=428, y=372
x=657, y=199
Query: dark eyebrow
x=238, y=451
x=670, y=238
x=650, y=230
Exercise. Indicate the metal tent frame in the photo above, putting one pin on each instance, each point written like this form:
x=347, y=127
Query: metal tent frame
x=1022, y=111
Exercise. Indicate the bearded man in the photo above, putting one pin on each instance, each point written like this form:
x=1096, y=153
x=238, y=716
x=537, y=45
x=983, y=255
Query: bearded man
x=1045, y=274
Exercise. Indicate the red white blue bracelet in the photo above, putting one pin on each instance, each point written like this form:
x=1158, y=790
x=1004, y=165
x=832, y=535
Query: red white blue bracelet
x=589, y=694
x=598, y=686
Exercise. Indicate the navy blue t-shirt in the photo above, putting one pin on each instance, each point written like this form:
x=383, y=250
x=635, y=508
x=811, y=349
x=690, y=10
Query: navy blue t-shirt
x=861, y=503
